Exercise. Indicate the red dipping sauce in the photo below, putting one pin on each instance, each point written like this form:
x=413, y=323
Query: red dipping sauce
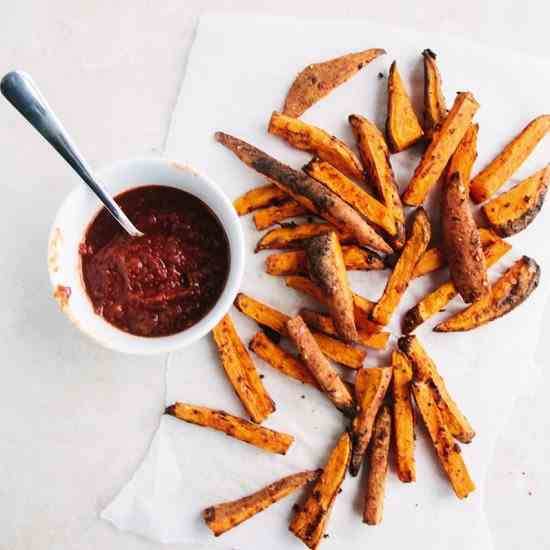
x=169, y=279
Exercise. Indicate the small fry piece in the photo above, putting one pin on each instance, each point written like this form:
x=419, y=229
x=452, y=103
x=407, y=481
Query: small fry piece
x=318, y=364
x=465, y=155
x=461, y=241
x=308, y=192
x=513, y=288
x=424, y=369
x=375, y=155
x=403, y=417
x=310, y=520
x=241, y=371
x=504, y=165
x=281, y=360
x=259, y=197
x=435, y=109
x=402, y=127
x=327, y=270
x=400, y=277
x=223, y=517
x=234, y=426
x=514, y=210
x=309, y=138
x=440, y=149
x=378, y=468
x=427, y=397
x=319, y=79
x=371, y=386
x=353, y=194
x=266, y=217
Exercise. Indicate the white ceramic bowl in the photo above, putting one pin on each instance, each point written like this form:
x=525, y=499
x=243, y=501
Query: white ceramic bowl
x=80, y=208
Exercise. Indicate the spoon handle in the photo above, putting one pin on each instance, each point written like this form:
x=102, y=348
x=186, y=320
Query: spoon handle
x=21, y=91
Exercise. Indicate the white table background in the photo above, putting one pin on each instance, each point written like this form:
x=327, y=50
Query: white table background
x=76, y=419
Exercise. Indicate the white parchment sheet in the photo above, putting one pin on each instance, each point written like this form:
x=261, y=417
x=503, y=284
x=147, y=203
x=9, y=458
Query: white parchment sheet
x=239, y=71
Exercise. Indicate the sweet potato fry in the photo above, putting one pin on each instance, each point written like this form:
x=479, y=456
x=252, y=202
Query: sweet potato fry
x=310, y=520
x=465, y=155
x=314, y=140
x=260, y=197
x=223, y=517
x=378, y=468
x=353, y=194
x=323, y=323
x=371, y=386
x=504, y=165
x=426, y=397
x=440, y=149
x=234, y=426
x=376, y=158
x=424, y=369
x=336, y=350
x=266, y=217
x=403, y=417
x=400, y=277
x=513, y=288
x=514, y=210
x=241, y=371
x=318, y=364
x=435, y=109
x=461, y=240
x=402, y=127
x=327, y=270
x=308, y=192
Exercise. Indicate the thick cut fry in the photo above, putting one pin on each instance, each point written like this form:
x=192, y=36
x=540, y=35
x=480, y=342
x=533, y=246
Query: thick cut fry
x=513, y=288
x=402, y=127
x=403, y=418
x=376, y=158
x=351, y=193
x=309, y=138
x=465, y=155
x=308, y=192
x=514, y=210
x=260, y=197
x=426, y=396
x=281, y=360
x=310, y=520
x=401, y=275
x=461, y=241
x=318, y=364
x=336, y=350
x=371, y=386
x=323, y=323
x=241, y=371
x=440, y=149
x=234, y=426
x=223, y=517
x=327, y=270
x=266, y=217
x=503, y=167
x=378, y=468
x=435, y=109
x=424, y=369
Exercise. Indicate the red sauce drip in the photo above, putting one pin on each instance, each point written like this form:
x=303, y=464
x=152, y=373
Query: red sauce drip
x=166, y=281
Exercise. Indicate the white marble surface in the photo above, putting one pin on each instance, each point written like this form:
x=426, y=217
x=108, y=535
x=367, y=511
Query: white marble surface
x=76, y=419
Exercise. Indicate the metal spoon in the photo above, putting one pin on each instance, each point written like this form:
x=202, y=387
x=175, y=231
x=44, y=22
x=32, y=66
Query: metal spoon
x=21, y=91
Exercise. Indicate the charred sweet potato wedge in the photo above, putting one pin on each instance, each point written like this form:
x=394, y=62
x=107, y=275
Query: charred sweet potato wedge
x=465, y=155
x=310, y=520
x=266, y=217
x=435, y=108
x=439, y=151
x=259, y=197
x=223, y=517
x=234, y=426
x=505, y=164
x=402, y=127
x=513, y=288
x=515, y=209
x=319, y=79
x=371, y=386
